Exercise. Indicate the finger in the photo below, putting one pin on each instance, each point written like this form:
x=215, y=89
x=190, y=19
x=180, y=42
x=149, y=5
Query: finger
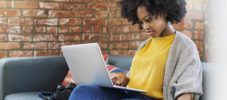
x=115, y=84
x=118, y=82
x=113, y=76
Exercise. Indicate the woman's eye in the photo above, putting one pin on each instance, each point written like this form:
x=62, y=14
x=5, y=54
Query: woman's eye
x=148, y=19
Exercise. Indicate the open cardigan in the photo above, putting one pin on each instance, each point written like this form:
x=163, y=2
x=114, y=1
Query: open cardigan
x=183, y=70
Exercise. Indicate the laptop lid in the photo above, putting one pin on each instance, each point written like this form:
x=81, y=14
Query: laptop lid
x=86, y=64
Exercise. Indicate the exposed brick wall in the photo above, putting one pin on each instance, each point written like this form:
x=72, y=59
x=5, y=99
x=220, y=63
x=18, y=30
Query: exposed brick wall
x=193, y=24
x=40, y=27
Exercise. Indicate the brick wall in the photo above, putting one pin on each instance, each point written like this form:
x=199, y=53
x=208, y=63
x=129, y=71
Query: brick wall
x=40, y=27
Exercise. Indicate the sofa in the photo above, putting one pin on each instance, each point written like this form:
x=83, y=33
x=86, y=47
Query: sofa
x=23, y=78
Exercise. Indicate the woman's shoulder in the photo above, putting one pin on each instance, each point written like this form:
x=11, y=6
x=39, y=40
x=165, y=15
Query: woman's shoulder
x=184, y=41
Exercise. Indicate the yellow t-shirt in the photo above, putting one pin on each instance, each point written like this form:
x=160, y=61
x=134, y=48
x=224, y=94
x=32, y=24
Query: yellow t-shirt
x=148, y=66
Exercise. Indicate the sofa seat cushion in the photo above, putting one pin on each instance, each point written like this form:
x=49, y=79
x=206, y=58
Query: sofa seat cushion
x=23, y=96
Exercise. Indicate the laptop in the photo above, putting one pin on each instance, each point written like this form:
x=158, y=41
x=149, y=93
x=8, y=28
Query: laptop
x=86, y=63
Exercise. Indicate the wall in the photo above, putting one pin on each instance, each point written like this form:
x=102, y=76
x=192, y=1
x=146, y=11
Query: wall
x=40, y=27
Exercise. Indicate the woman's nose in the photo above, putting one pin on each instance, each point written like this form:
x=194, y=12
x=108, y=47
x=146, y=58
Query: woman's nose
x=146, y=26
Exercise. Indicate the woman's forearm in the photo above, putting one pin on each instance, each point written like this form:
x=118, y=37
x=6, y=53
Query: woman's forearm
x=187, y=96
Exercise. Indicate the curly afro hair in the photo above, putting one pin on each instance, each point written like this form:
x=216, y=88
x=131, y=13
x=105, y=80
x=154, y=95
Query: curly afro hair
x=174, y=9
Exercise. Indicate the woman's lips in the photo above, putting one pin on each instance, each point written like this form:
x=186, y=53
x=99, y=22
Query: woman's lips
x=150, y=32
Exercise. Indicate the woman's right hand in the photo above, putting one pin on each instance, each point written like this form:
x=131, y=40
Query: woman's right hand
x=119, y=79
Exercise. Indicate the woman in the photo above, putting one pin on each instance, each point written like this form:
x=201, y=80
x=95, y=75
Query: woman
x=166, y=65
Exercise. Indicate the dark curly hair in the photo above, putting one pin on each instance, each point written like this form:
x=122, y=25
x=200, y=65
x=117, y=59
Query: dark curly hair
x=174, y=9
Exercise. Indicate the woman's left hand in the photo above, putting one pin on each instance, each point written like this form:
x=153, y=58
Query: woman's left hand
x=119, y=79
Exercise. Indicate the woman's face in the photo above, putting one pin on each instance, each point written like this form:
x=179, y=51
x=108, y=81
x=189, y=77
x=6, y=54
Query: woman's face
x=152, y=25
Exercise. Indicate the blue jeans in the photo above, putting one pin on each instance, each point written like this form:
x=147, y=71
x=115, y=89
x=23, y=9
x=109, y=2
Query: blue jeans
x=94, y=92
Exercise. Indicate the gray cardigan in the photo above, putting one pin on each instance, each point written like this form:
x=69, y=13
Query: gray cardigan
x=183, y=70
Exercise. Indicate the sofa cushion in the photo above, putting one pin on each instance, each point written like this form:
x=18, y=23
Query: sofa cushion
x=23, y=96
x=123, y=62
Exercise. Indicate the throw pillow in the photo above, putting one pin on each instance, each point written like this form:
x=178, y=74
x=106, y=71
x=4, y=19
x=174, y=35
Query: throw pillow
x=68, y=79
x=114, y=69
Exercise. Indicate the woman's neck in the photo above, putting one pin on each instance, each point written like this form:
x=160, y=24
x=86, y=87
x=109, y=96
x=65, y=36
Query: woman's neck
x=169, y=30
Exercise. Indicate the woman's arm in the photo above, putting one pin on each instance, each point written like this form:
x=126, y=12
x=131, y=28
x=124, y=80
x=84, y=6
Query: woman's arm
x=189, y=75
x=186, y=96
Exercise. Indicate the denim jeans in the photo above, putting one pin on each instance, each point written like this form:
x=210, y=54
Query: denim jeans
x=94, y=92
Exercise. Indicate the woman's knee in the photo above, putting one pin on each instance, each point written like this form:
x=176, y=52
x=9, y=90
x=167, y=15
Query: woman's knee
x=86, y=88
x=94, y=92
x=83, y=91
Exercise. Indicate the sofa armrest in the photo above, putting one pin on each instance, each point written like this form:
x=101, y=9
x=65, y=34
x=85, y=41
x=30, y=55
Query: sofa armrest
x=123, y=62
x=31, y=74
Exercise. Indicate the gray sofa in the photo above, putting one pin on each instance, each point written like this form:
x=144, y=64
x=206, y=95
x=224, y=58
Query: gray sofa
x=24, y=78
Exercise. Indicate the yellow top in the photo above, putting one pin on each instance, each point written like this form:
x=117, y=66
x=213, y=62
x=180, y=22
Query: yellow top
x=148, y=66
